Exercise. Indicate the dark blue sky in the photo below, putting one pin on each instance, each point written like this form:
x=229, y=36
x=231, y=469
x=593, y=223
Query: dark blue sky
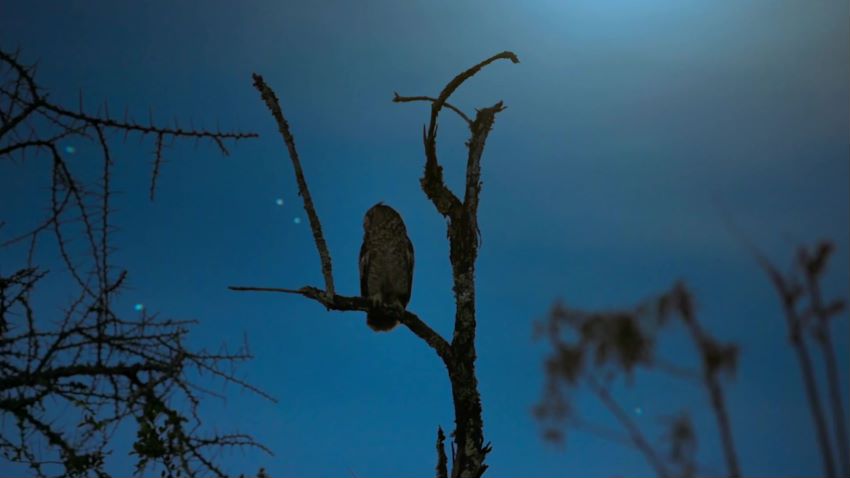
x=631, y=127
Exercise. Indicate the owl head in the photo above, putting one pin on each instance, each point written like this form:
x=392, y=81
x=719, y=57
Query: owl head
x=380, y=215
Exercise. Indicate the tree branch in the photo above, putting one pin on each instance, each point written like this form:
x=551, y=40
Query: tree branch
x=273, y=105
x=362, y=304
x=789, y=293
x=409, y=99
x=634, y=432
x=813, y=266
x=480, y=130
x=432, y=182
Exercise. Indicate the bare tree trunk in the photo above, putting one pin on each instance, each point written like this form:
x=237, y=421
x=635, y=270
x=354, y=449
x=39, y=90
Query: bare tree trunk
x=722, y=415
x=469, y=427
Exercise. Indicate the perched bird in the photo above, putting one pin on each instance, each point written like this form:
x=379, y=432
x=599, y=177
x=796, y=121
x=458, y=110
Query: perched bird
x=386, y=264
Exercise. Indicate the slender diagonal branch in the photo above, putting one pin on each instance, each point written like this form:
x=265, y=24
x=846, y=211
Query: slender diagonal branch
x=712, y=363
x=273, y=104
x=634, y=432
x=789, y=294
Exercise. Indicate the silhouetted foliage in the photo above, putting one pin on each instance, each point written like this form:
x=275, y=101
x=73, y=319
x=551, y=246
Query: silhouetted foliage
x=70, y=378
x=592, y=350
x=806, y=314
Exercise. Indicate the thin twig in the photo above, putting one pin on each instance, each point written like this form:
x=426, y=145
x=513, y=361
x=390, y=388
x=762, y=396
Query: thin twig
x=634, y=432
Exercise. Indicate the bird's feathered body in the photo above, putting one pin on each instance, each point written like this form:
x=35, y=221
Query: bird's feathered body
x=386, y=264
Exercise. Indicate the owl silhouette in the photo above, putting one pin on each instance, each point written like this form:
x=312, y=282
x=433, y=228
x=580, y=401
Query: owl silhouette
x=386, y=265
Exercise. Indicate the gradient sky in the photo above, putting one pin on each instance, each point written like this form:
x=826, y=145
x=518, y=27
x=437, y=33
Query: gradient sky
x=632, y=128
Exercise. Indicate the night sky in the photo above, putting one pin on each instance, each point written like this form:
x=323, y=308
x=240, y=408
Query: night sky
x=635, y=132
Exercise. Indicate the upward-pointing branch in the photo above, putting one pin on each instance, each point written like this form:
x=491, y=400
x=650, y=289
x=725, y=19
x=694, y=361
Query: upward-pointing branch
x=274, y=106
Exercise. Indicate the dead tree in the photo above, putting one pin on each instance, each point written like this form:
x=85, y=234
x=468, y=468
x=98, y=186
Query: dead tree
x=69, y=378
x=463, y=234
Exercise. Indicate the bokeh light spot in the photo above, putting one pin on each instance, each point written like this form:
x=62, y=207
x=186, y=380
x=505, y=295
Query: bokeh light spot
x=279, y=201
x=70, y=149
x=297, y=220
x=139, y=307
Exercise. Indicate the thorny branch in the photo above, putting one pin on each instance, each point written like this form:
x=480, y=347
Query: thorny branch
x=99, y=368
x=459, y=356
x=23, y=107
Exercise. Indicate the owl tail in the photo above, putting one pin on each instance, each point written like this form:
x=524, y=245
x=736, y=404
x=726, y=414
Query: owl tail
x=380, y=322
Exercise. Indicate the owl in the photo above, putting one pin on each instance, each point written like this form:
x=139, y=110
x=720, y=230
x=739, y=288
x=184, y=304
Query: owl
x=386, y=264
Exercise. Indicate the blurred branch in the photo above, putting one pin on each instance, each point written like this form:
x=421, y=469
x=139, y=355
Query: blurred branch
x=595, y=348
x=813, y=264
x=715, y=358
x=639, y=441
x=790, y=292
